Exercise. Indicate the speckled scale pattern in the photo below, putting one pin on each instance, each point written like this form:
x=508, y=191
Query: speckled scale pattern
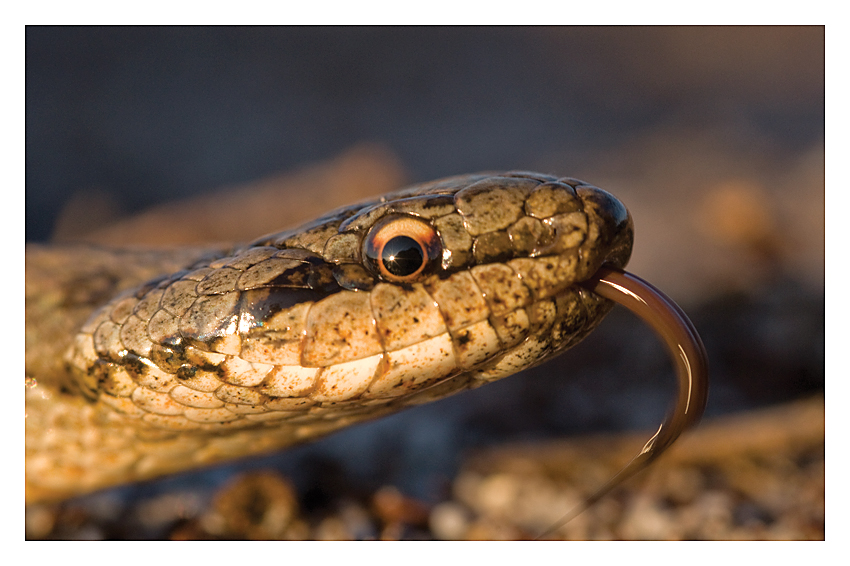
x=293, y=336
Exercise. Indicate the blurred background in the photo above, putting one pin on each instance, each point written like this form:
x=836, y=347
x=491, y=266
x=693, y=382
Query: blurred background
x=712, y=136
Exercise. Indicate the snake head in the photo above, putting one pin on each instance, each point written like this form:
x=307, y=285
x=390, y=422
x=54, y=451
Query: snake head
x=436, y=288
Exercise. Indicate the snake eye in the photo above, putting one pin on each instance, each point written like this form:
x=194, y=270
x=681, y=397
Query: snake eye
x=400, y=248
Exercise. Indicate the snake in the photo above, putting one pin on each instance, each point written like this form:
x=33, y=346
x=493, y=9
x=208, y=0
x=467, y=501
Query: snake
x=147, y=362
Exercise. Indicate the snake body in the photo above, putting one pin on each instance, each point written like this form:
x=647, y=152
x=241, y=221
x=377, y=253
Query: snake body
x=208, y=355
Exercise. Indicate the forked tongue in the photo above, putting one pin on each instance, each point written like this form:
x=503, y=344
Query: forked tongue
x=689, y=358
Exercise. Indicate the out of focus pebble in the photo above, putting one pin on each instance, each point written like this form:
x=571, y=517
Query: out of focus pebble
x=168, y=508
x=644, y=520
x=333, y=528
x=256, y=506
x=449, y=521
x=357, y=522
x=391, y=506
x=486, y=529
x=39, y=521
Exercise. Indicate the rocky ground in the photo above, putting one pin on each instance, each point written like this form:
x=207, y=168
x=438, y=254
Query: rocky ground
x=752, y=476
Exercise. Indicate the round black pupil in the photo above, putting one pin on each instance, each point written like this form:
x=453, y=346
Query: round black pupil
x=402, y=256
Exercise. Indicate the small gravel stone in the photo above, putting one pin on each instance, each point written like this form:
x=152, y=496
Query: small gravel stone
x=449, y=521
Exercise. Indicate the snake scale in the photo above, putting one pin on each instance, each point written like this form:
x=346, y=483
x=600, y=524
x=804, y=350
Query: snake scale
x=157, y=361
